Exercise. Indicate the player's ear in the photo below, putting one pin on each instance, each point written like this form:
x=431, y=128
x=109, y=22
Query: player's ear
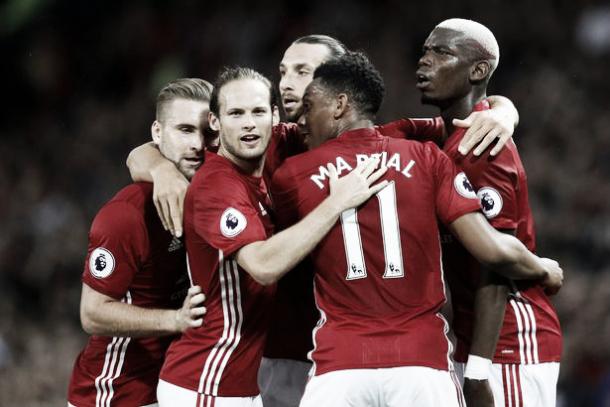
x=276, y=115
x=480, y=71
x=155, y=132
x=213, y=120
x=341, y=102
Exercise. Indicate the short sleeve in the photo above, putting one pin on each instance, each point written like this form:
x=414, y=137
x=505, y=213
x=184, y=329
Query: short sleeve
x=224, y=214
x=118, y=242
x=496, y=181
x=455, y=195
x=415, y=129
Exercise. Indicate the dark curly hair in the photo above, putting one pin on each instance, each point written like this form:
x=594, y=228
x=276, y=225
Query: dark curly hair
x=354, y=75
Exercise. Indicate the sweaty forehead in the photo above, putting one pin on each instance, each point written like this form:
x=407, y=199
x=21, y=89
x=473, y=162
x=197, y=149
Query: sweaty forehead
x=305, y=54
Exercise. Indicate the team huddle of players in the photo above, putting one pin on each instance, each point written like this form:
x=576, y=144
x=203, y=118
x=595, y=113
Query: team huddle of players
x=326, y=223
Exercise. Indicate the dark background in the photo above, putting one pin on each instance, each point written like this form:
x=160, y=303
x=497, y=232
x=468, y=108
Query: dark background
x=79, y=81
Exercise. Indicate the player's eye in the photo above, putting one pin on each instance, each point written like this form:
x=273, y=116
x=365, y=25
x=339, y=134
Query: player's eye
x=303, y=72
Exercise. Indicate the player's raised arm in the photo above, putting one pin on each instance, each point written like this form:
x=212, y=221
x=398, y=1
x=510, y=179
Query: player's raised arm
x=504, y=253
x=497, y=123
x=104, y=315
x=267, y=261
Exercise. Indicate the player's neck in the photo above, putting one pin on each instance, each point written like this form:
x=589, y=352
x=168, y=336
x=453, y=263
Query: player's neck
x=460, y=108
x=253, y=167
x=354, y=125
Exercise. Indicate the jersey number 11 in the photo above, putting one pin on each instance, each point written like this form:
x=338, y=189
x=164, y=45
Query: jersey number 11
x=356, y=266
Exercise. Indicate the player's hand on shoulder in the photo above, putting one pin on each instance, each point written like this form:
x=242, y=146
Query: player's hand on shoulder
x=554, y=278
x=483, y=128
x=192, y=311
x=356, y=187
x=168, y=195
x=478, y=393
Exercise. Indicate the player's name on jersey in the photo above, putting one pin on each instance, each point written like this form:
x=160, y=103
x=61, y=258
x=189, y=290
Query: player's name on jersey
x=394, y=161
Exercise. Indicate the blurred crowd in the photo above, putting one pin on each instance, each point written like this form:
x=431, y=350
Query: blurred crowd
x=81, y=78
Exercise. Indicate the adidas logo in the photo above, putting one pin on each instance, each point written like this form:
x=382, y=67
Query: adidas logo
x=175, y=244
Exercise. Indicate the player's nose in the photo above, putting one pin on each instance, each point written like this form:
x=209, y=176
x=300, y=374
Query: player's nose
x=424, y=60
x=286, y=83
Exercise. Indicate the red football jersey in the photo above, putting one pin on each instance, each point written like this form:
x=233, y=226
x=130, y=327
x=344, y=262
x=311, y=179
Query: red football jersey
x=132, y=258
x=224, y=210
x=531, y=331
x=295, y=315
x=378, y=282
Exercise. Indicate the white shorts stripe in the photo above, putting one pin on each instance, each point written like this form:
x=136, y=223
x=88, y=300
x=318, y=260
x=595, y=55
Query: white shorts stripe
x=508, y=385
x=515, y=385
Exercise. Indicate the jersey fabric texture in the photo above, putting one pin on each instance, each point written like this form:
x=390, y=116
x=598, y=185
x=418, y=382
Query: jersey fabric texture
x=133, y=259
x=531, y=331
x=295, y=315
x=224, y=210
x=378, y=282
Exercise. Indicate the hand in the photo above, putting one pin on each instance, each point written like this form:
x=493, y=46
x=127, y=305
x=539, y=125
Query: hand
x=554, y=279
x=191, y=313
x=355, y=188
x=168, y=195
x=484, y=127
x=478, y=393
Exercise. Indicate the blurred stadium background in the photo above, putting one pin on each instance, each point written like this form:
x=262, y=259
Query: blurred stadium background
x=79, y=85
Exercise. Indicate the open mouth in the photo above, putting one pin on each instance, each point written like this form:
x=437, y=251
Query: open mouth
x=250, y=138
x=194, y=161
x=290, y=101
x=423, y=81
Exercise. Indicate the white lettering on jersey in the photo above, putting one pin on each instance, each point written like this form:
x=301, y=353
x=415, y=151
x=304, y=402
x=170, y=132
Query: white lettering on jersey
x=342, y=166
